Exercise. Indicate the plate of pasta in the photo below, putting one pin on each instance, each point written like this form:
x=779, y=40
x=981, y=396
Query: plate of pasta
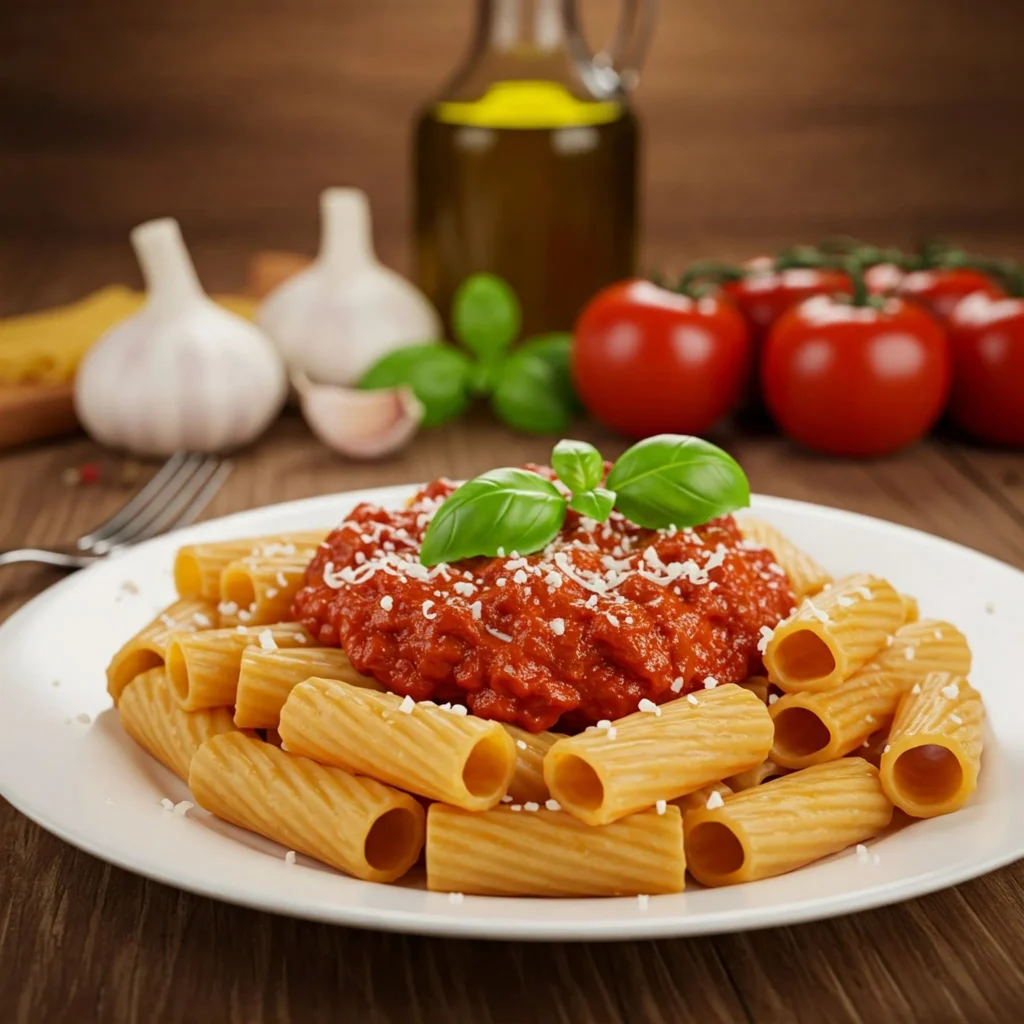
x=504, y=710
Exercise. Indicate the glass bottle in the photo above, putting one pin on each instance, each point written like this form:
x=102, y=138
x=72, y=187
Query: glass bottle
x=526, y=165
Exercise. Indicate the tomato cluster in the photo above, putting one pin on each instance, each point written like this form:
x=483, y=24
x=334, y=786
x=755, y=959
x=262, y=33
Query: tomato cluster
x=853, y=353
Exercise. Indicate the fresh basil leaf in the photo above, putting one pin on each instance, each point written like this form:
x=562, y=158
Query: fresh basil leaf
x=439, y=376
x=579, y=465
x=527, y=396
x=511, y=509
x=556, y=351
x=596, y=503
x=485, y=315
x=677, y=480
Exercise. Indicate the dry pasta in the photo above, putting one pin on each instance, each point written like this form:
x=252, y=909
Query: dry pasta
x=266, y=678
x=757, y=775
x=151, y=716
x=148, y=648
x=700, y=797
x=602, y=775
x=356, y=825
x=258, y=591
x=422, y=748
x=931, y=764
x=828, y=638
x=531, y=747
x=759, y=686
x=786, y=823
x=821, y=725
x=538, y=852
x=806, y=577
x=198, y=567
x=203, y=668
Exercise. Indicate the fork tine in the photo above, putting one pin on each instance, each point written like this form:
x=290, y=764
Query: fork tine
x=203, y=498
x=154, y=508
x=128, y=511
x=177, y=505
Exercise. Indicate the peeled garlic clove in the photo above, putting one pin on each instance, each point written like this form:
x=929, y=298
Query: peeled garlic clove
x=343, y=313
x=182, y=373
x=360, y=424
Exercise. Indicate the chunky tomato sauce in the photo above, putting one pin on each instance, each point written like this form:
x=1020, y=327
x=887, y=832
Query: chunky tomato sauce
x=607, y=615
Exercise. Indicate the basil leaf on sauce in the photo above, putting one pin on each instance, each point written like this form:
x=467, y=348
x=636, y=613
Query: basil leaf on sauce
x=510, y=509
x=440, y=376
x=677, y=480
x=579, y=465
x=596, y=503
x=485, y=315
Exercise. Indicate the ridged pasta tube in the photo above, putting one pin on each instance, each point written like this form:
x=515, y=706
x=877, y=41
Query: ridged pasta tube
x=153, y=718
x=357, y=825
x=756, y=776
x=549, y=853
x=700, y=797
x=806, y=577
x=786, y=823
x=267, y=677
x=828, y=638
x=601, y=775
x=148, y=648
x=821, y=725
x=531, y=747
x=458, y=759
x=258, y=591
x=931, y=764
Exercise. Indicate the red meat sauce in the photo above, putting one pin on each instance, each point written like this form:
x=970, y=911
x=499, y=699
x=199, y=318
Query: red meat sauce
x=605, y=616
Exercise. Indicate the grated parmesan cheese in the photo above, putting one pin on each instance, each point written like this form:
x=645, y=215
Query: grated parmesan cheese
x=407, y=705
x=649, y=707
x=715, y=801
x=267, y=641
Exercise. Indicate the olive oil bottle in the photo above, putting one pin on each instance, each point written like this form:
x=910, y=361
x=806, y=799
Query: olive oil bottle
x=527, y=165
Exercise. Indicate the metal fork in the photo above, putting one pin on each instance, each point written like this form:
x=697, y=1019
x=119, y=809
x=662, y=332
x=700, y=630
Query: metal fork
x=174, y=497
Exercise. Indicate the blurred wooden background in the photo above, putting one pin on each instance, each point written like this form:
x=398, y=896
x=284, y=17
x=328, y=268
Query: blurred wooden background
x=765, y=121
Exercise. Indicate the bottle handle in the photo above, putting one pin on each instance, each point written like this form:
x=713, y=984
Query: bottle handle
x=615, y=70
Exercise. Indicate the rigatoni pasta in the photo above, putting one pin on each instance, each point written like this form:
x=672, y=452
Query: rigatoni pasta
x=531, y=747
x=806, y=577
x=354, y=824
x=787, y=823
x=601, y=776
x=257, y=591
x=821, y=725
x=538, y=852
x=464, y=761
x=266, y=677
x=828, y=638
x=154, y=719
x=933, y=758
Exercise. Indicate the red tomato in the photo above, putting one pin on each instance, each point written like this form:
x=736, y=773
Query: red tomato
x=940, y=290
x=856, y=380
x=987, y=339
x=764, y=295
x=649, y=361
x=884, y=278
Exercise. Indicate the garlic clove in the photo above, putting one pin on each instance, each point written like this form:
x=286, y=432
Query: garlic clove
x=360, y=424
x=182, y=373
x=343, y=313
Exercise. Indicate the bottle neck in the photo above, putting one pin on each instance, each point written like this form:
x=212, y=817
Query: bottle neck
x=527, y=28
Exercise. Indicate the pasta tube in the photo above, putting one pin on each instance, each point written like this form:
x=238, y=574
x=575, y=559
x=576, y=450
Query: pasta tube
x=459, y=759
x=827, y=639
x=757, y=775
x=357, y=825
x=151, y=716
x=258, y=591
x=911, y=613
x=806, y=577
x=548, y=853
x=197, y=567
x=203, y=668
x=786, y=823
x=528, y=782
x=931, y=764
x=601, y=775
x=759, y=686
x=700, y=797
x=821, y=725
x=266, y=678
x=148, y=648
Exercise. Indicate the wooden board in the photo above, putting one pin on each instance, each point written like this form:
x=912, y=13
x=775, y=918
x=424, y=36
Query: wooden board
x=35, y=412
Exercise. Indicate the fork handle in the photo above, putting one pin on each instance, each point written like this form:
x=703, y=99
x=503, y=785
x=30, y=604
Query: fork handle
x=58, y=559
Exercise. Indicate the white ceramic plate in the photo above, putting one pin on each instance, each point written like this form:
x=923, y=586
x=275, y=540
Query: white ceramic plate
x=85, y=781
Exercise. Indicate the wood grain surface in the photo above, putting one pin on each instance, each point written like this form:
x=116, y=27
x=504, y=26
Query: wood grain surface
x=81, y=941
x=763, y=121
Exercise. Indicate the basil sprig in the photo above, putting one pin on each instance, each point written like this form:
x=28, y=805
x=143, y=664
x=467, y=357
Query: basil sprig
x=664, y=481
x=530, y=388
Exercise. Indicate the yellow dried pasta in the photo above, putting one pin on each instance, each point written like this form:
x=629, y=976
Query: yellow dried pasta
x=806, y=577
x=531, y=747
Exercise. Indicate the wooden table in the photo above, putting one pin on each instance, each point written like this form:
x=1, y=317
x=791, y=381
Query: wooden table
x=83, y=941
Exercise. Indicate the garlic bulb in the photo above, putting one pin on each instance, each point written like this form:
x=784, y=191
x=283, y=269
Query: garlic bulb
x=339, y=316
x=182, y=373
x=360, y=424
